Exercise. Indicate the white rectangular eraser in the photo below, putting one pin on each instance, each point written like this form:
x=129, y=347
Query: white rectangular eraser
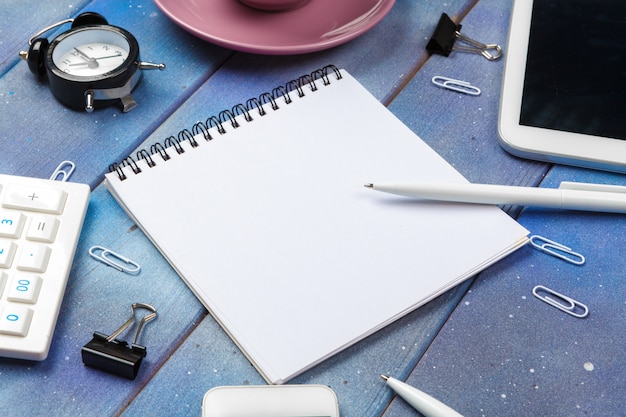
x=270, y=401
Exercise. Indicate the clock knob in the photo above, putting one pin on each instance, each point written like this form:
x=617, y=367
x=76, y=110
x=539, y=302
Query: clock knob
x=89, y=99
x=35, y=56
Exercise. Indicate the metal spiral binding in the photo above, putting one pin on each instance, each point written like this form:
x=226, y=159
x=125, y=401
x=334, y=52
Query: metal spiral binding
x=226, y=117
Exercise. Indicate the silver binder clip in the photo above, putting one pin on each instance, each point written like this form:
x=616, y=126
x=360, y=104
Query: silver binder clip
x=111, y=258
x=560, y=301
x=476, y=47
x=556, y=249
x=63, y=171
x=455, y=85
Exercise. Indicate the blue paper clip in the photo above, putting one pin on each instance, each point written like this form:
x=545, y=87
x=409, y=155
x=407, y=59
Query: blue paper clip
x=455, y=85
x=63, y=171
x=556, y=249
x=560, y=301
x=107, y=257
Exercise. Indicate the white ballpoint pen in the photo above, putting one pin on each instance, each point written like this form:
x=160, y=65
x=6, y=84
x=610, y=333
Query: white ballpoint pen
x=422, y=402
x=569, y=195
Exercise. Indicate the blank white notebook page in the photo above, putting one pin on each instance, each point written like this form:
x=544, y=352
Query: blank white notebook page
x=272, y=228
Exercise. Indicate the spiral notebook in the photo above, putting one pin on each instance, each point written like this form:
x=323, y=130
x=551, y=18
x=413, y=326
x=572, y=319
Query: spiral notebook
x=266, y=219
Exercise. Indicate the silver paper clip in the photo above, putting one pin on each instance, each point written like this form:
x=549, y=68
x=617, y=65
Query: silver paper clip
x=107, y=257
x=63, y=171
x=456, y=85
x=562, y=302
x=556, y=249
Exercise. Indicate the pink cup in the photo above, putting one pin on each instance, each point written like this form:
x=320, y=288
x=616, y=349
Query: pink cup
x=273, y=5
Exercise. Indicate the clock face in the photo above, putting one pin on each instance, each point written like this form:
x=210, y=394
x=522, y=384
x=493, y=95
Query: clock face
x=92, y=52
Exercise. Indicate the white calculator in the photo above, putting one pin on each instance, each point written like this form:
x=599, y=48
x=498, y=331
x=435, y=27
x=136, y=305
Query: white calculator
x=40, y=223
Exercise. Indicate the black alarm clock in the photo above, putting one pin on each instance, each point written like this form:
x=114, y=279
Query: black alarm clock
x=92, y=64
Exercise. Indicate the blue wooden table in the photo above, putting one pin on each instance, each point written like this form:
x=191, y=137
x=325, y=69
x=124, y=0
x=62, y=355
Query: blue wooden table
x=486, y=348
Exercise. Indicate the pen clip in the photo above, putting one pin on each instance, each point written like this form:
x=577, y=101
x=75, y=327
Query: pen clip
x=556, y=249
x=584, y=186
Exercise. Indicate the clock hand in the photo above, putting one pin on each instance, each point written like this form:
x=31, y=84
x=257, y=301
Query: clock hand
x=110, y=56
x=84, y=55
x=91, y=62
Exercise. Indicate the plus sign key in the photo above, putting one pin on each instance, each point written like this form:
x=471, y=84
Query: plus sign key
x=26, y=197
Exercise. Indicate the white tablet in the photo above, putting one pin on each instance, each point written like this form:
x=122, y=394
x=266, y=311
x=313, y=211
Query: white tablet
x=564, y=88
x=307, y=400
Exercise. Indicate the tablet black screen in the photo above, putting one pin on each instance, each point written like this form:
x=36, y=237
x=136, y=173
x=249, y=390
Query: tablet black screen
x=575, y=77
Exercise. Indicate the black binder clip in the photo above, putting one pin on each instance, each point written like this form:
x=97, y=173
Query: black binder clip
x=446, y=34
x=115, y=356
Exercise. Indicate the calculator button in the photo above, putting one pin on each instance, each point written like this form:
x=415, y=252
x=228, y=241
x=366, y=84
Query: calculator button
x=42, y=228
x=3, y=281
x=34, y=257
x=25, y=288
x=7, y=252
x=26, y=197
x=11, y=223
x=15, y=320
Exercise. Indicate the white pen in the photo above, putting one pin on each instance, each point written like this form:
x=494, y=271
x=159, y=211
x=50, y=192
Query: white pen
x=569, y=195
x=422, y=402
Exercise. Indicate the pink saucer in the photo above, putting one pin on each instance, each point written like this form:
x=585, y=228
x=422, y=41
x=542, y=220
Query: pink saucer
x=318, y=25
